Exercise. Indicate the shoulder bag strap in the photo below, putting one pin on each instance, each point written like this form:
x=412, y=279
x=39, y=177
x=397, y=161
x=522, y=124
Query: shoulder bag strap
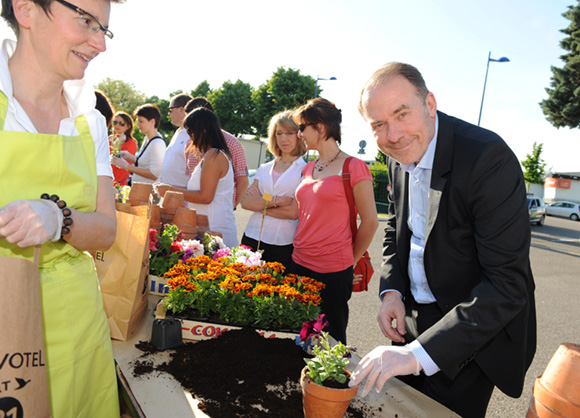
x=349, y=196
x=145, y=149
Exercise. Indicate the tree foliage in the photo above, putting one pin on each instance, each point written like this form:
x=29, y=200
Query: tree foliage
x=381, y=158
x=122, y=94
x=534, y=166
x=562, y=107
x=202, y=90
x=286, y=89
x=233, y=105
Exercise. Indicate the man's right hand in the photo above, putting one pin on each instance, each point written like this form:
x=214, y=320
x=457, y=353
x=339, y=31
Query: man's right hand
x=392, y=308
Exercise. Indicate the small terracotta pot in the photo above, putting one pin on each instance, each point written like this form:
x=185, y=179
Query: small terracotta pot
x=186, y=229
x=185, y=216
x=140, y=191
x=557, y=392
x=322, y=402
x=173, y=200
x=134, y=202
x=215, y=234
x=123, y=207
x=203, y=222
x=155, y=214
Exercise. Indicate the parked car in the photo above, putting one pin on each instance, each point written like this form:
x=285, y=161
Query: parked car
x=537, y=210
x=564, y=209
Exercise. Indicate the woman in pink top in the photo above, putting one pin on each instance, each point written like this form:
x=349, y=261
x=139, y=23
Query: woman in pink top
x=323, y=246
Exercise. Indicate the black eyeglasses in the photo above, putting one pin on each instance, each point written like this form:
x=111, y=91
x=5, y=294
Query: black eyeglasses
x=119, y=122
x=88, y=21
x=303, y=126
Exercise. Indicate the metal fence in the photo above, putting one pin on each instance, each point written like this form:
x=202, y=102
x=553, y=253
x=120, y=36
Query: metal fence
x=380, y=185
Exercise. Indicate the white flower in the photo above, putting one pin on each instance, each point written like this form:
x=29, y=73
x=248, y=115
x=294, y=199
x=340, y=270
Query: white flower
x=193, y=245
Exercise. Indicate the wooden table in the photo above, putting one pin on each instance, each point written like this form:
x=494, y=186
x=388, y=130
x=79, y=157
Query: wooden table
x=159, y=394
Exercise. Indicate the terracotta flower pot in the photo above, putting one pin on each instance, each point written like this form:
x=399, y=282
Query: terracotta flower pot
x=557, y=392
x=155, y=214
x=322, y=402
x=140, y=191
x=173, y=200
x=203, y=222
x=185, y=216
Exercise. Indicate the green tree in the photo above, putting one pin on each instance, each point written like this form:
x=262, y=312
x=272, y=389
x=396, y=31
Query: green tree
x=122, y=94
x=202, y=89
x=534, y=166
x=233, y=105
x=381, y=158
x=562, y=107
x=286, y=89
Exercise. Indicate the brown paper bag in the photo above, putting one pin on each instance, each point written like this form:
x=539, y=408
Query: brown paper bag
x=23, y=388
x=123, y=271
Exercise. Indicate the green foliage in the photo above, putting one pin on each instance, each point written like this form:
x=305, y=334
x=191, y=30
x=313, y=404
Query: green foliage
x=286, y=89
x=381, y=158
x=202, y=90
x=534, y=166
x=562, y=107
x=233, y=105
x=123, y=95
x=328, y=362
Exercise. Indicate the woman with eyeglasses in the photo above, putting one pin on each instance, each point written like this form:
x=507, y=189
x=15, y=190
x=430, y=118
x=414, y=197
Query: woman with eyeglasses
x=210, y=189
x=323, y=247
x=122, y=140
x=59, y=196
x=279, y=179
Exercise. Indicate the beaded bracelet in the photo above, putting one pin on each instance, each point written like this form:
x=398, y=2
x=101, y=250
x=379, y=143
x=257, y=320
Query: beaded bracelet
x=67, y=221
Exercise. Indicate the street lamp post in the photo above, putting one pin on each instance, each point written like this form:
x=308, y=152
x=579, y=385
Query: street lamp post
x=502, y=59
x=316, y=88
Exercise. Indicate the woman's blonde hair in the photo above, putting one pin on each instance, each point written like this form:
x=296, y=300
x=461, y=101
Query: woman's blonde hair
x=283, y=120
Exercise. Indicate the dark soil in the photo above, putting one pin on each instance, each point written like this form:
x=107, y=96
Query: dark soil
x=240, y=374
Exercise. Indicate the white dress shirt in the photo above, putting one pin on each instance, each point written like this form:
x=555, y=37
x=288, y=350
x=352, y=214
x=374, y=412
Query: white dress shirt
x=174, y=168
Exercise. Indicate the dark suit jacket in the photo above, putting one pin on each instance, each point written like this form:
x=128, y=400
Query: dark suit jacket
x=476, y=255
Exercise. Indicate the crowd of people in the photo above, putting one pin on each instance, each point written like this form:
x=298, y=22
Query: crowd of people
x=456, y=286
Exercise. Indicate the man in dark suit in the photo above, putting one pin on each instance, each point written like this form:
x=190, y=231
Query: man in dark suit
x=456, y=284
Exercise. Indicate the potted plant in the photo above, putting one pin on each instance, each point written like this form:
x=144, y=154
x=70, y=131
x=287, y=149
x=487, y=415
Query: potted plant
x=324, y=380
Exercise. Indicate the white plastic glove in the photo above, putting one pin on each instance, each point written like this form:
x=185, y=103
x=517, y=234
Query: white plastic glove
x=381, y=364
x=31, y=222
x=119, y=162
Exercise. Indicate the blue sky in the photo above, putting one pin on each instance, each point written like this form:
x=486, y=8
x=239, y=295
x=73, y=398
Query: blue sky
x=164, y=46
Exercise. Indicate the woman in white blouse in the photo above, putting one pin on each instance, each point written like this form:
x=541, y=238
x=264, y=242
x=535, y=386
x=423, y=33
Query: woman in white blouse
x=278, y=178
x=148, y=161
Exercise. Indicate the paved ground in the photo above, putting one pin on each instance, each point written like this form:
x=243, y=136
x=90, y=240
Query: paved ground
x=555, y=258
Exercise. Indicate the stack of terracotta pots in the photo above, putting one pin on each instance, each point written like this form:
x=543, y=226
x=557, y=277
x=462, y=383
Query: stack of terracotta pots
x=557, y=391
x=186, y=220
x=155, y=222
x=140, y=194
x=171, y=202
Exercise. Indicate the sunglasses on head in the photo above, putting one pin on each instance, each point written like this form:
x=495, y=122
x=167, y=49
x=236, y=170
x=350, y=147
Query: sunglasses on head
x=303, y=126
x=119, y=122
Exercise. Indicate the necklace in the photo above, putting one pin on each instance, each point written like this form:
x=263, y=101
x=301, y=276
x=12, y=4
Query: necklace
x=320, y=166
x=284, y=164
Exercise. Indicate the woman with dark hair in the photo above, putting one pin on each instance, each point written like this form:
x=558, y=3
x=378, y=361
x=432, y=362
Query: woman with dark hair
x=323, y=245
x=60, y=196
x=146, y=165
x=122, y=140
x=279, y=178
x=210, y=189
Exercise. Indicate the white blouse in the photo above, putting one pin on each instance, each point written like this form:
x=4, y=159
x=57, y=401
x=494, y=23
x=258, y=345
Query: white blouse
x=276, y=231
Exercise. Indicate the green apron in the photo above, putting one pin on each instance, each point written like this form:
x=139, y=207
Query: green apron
x=79, y=355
